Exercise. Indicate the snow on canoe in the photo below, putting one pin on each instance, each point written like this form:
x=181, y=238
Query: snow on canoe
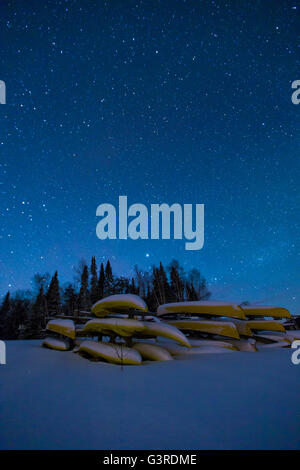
x=115, y=353
x=245, y=345
x=207, y=326
x=164, y=330
x=293, y=334
x=274, y=337
x=63, y=327
x=222, y=309
x=273, y=344
x=195, y=343
x=152, y=352
x=119, y=303
x=265, y=311
x=119, y=326
x=58, y=344
x=241, y=325
x=268, y=325
x=178, y=350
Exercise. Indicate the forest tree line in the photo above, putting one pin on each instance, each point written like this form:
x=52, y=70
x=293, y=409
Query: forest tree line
x=25, y=314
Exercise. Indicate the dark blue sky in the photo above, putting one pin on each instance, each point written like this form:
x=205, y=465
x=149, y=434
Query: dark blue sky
x=162, y=101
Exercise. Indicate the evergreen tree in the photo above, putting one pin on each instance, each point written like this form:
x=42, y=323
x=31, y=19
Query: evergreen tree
x=94, y=282
x=18, y=315
x=109, y=280
x=177, y=284
x=53, y=296
x=101, y=282
x=70, y=299
x=4, y=314
x=132, y=288
x=167, y=293
x=84, y=295
x=37, y=321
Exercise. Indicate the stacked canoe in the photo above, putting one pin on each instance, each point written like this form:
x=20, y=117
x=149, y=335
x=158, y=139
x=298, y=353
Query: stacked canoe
x=122, y=331
x=244, y=328
x=125, y=333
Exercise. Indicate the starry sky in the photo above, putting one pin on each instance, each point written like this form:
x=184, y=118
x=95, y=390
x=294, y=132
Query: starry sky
x=162, y=101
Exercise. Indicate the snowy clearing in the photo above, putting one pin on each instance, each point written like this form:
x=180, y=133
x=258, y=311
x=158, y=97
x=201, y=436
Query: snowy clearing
x=59, y=400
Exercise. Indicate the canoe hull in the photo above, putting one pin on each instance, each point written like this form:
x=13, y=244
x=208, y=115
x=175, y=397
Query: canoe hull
x=113, y=353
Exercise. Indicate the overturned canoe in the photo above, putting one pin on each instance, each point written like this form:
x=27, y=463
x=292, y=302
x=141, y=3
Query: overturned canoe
x=265, y=311
x=178, y=350
x=164, y=330
x=58, y=344
x=119, y=326
x=222, y=309
x=241, y=325
x=152, y=352
x=63, y=327
x=119, y=303
x=268, y=325
x=220, y=328
x=114, y=353
x=266, y=338
x=195, y=343
x=293, y=335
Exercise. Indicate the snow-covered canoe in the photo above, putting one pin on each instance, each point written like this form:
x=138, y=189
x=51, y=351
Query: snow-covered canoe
x=164, y=330
x=114, y=353
x=178, y=350
x=267, y=339
x=195, y=343
x=293, y=334
x=58, y=344
x=129, y=327
x=152, y=352
x=119, y=326
x=267, y=325
x=241, y=325
x=63, y=327
x=245, y=345
x=119, y=303
x=222, y=309
x=265, y=311
x=220, y=328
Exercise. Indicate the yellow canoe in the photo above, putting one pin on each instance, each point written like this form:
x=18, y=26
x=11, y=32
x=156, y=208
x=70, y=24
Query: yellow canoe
x=63, y=327
x=119, y=326
x=241, y=325
x=119, y=303
x=196, y=343
x=166, y=331
x=178, y=350
x=265, y=311
x=293, y=335
x=114, y=353
x=207, y=326
x=272, y=341
x=58, y=344
x=274, y=337
x=222, y=309
x=152, y=352
x=269, y=325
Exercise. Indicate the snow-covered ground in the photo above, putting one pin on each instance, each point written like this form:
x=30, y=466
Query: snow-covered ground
x=59, y=400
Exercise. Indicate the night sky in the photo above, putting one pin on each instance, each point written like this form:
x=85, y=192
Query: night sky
x=163, y=101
